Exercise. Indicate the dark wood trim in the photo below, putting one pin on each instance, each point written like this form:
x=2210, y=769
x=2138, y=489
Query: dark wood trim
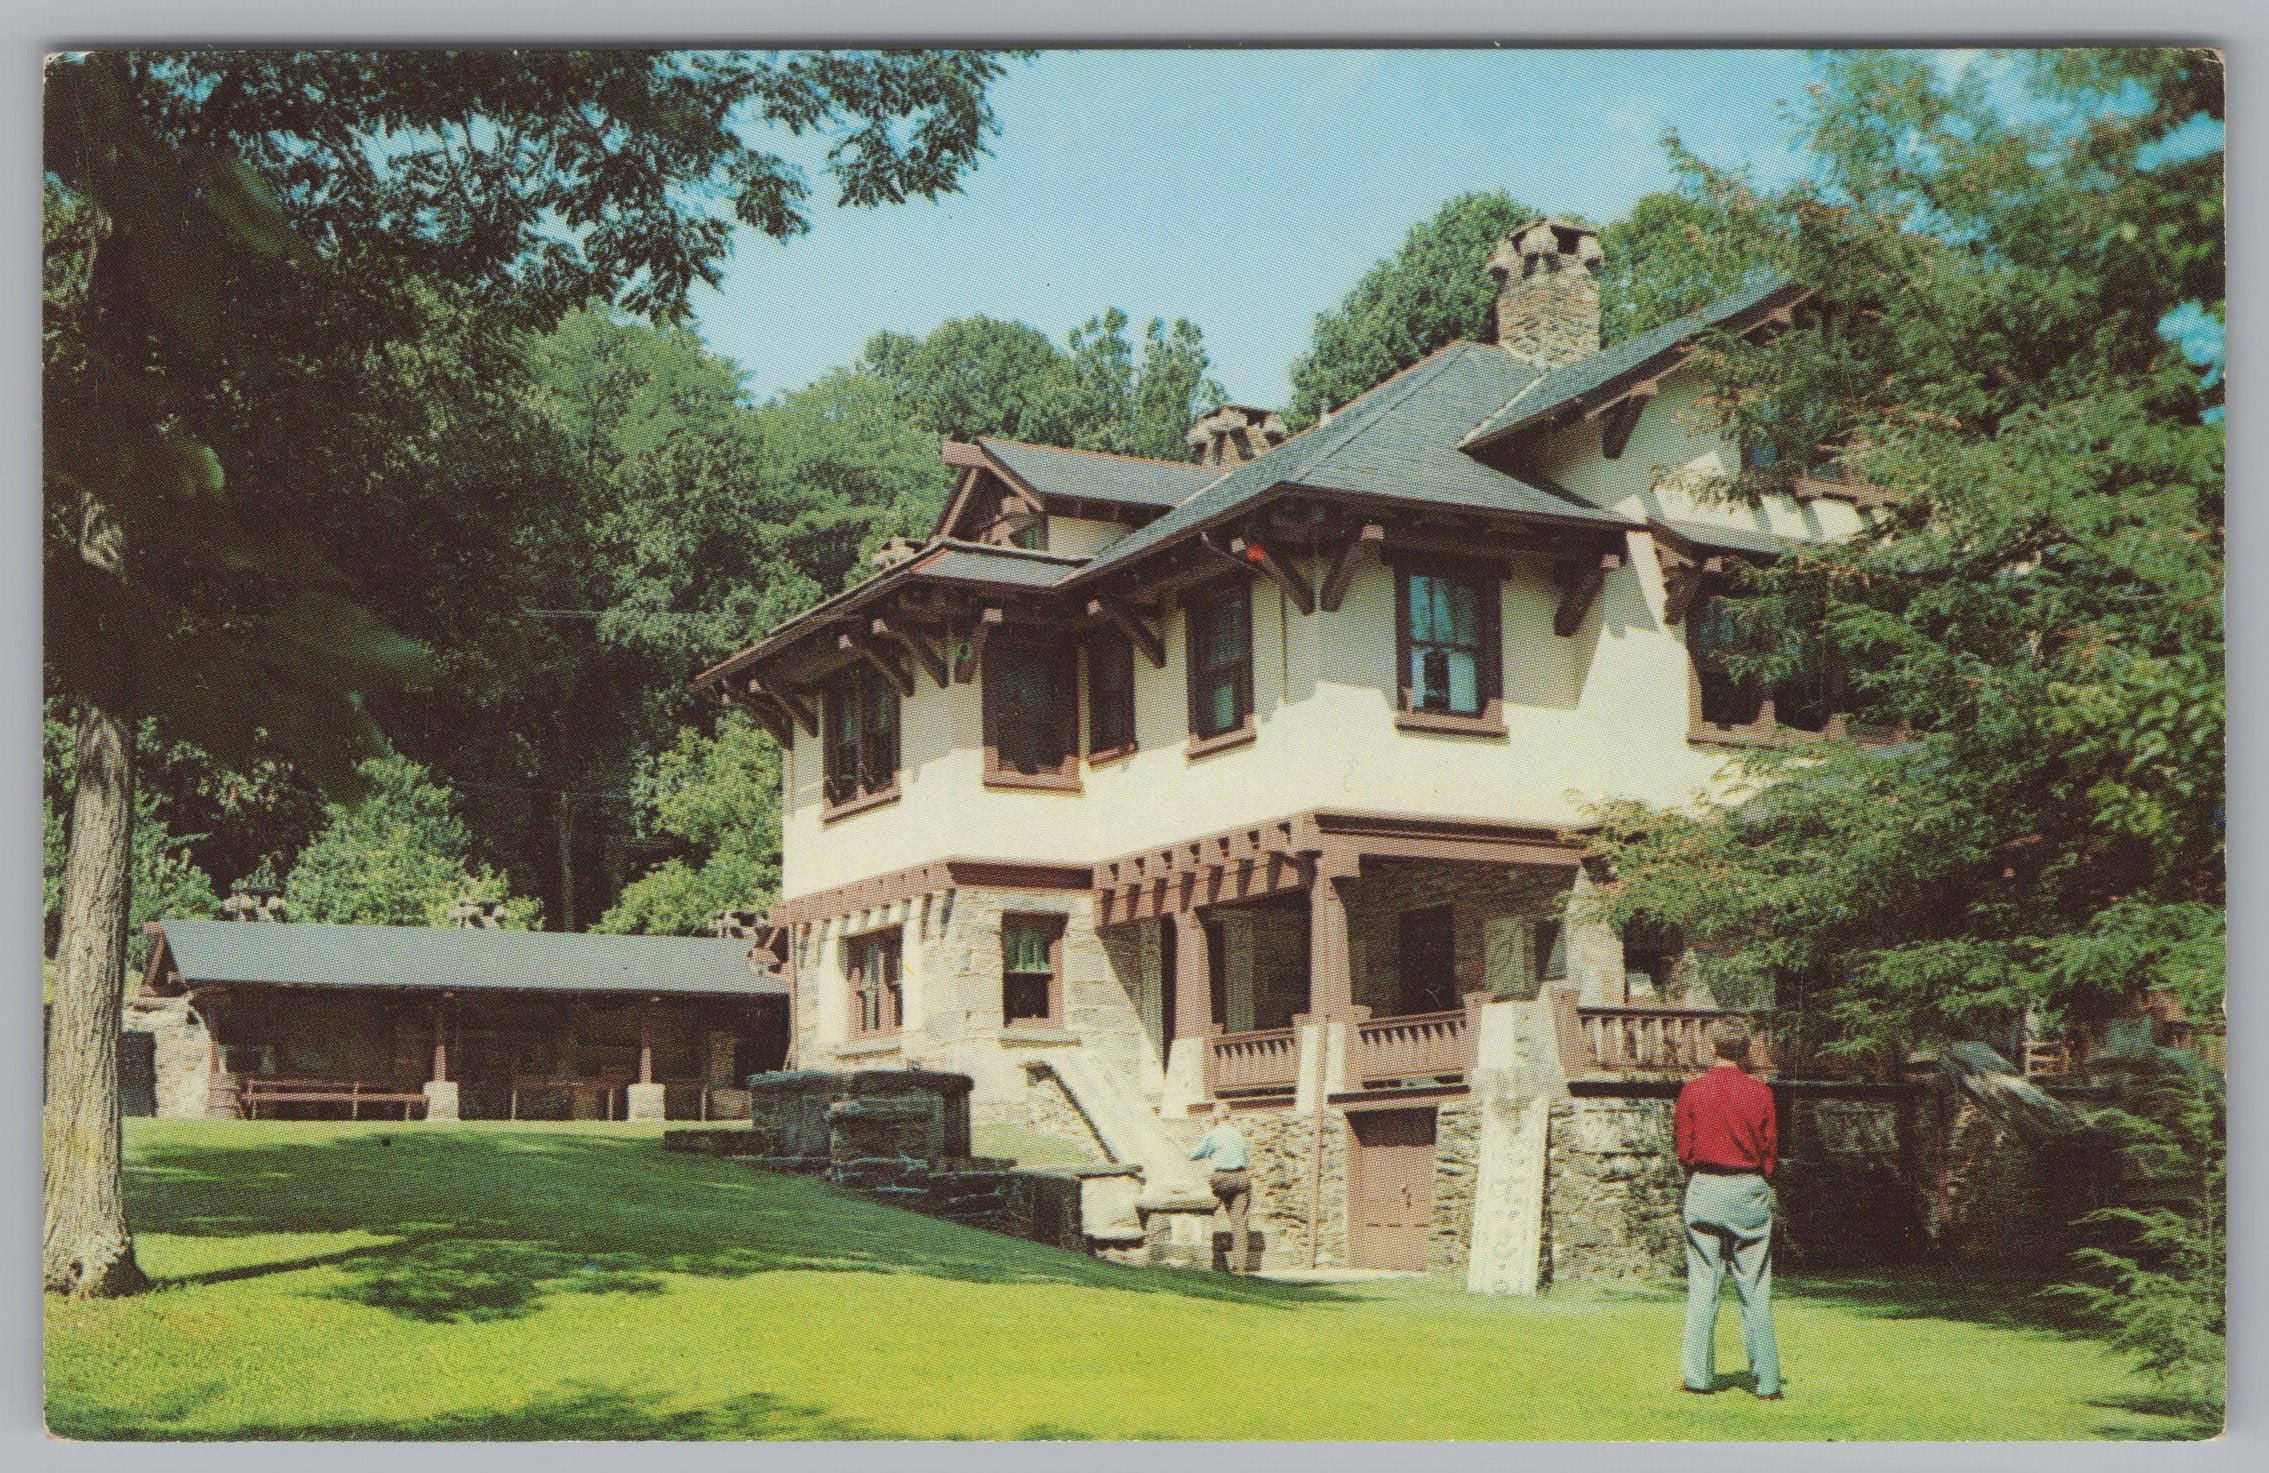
x=1580, y=584
x=1615, y=429
x=1449, y=723
x=1100, y=650
x=829, y=812
x=801, y=711
x=925, y=879
x=1361, y=548
x=775, y=724
x=1137, y=629
x=893, y=994
x=1276, y=570
x=915, y=642
x=1235, y=736
x=969, y=653
x=866, y=648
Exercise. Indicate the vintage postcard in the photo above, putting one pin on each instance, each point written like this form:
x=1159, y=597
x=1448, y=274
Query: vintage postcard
x=1047, y=722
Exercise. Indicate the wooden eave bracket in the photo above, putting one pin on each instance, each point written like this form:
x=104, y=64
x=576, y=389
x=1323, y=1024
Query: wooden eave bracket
x=969, y=652
x=761, y=710
x=1580, y=583
x=1361, y=548
x=1684, y=579
x=1136, y=628
x=915, y=642
x=866, y=648
x=789, y=704
x=1621, y=419
x=1261, y=556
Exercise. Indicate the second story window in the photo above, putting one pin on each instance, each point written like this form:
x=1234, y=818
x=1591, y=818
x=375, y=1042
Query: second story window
x=1449, y=641
x=1220, y=655
x=1110, y=695
x=871, y=963
x=1715, y=638
x=861, y=737
x=1031, y=717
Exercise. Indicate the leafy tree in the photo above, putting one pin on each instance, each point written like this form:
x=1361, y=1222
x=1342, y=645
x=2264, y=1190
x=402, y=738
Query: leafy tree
x=1673, y=254
x=1431, y=292
x=720, y=795
x=398, y=855
x=1125, y=406
x=241, y=236
x=2040, y=607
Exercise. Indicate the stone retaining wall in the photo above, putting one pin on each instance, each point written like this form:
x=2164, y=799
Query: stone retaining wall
x=1457, y=1166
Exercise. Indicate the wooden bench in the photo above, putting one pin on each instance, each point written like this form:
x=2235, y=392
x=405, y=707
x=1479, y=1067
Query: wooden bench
x=263, y=1089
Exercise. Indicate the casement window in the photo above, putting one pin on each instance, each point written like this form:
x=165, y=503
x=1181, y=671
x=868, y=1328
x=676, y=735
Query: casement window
x=871, y=963
x=1714, y=639
x=1219, y=652
x=1110, y=696
x=1032, y=536
x=1032, y=971
x=1031, y=716
x=860, y=739
x=1448, y=648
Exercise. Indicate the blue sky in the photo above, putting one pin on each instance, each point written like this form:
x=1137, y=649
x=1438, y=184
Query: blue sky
x=1243, y=190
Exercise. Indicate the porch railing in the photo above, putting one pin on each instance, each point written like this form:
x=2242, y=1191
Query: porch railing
x=1642, y=1042
x=1263, y=1060
x=1417, y=1046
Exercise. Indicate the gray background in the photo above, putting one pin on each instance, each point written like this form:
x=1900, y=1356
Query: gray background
x=34, y=27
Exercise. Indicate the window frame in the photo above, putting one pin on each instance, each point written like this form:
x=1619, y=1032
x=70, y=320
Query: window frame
x=1060, y=669
x=1197, y=616
x=1488, y=579
x=1765, y=727
x=1054, y=925
x=889, y=995
x=1112, y=649
x=864, y=786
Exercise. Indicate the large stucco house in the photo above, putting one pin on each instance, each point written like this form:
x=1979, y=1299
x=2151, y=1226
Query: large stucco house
x=1262, y=776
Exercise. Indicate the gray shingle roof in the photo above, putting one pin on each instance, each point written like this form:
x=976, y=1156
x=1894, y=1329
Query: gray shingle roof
x=1054, y=471
x=432, y=957
x=1399, y=440
x=973, y=562
x=1556, y=388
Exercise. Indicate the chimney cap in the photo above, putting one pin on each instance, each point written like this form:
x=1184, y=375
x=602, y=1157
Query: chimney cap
x=1545, y=236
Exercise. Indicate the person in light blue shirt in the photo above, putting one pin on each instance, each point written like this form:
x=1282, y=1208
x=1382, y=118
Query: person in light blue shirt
x=1224, y=1146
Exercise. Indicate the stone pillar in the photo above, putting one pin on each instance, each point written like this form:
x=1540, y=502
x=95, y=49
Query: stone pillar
x=440, y=1090
x=1193, y=1018
x=1331, y=970
x=440, y=1100
x=1514, y=1097
x=646, y=1101
x=1309, y=1083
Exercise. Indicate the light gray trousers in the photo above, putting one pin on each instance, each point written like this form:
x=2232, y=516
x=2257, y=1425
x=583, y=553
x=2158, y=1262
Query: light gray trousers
x=1729, y=1225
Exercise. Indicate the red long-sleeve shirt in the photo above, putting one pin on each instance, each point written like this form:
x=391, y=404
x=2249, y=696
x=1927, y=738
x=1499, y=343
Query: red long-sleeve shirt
x=1726, y=1118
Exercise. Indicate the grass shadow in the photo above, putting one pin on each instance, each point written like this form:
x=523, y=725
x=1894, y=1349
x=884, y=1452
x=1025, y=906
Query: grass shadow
x=483, y=1225
x=2188, y=1418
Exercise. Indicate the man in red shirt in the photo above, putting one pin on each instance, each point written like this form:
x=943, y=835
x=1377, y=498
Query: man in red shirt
x=1728, y=1134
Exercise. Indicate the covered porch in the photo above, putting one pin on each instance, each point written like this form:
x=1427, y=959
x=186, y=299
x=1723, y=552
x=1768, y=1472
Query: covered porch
x=1342, y=956
x=382, y=1022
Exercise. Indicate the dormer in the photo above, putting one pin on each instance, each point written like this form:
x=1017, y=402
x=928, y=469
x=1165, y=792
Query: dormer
x=1045, y=498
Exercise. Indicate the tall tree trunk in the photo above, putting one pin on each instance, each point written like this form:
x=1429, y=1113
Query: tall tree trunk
x=87, y=1249
x=566, y=864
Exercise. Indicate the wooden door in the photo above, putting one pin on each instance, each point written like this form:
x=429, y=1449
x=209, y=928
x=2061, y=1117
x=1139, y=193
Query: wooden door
x=1392, y=1211
x=1427, y=961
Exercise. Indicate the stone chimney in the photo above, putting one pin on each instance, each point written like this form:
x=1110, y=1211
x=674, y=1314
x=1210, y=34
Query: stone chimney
x=893, y=552
x=1235, y=433
x=253, y=903
x=1548, y=292
x=735, y=924
x=477, y=914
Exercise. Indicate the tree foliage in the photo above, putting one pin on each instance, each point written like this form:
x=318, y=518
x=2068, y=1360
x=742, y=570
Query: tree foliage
x=398, y=855
x=720, y=797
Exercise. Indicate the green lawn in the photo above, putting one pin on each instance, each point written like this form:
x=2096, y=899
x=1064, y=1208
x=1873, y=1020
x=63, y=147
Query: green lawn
x=377, y=1281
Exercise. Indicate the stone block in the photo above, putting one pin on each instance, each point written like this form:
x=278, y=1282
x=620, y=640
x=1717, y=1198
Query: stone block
x=440, y=1100
x=646, y=1102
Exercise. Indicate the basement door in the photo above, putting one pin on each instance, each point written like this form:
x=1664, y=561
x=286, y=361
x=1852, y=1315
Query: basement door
x=1392, y=1211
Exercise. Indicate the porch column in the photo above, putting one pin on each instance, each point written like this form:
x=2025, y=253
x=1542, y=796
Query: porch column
x=440, y=1090
x=646, y=1098
x=1193, y=1017
x=222, y=1099
x=1331, y=968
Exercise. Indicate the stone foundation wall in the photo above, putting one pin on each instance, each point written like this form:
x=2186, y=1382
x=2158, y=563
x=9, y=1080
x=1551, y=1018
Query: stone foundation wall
x=1457, y=1165
x=1287, y=1215
x=1612, y=1191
